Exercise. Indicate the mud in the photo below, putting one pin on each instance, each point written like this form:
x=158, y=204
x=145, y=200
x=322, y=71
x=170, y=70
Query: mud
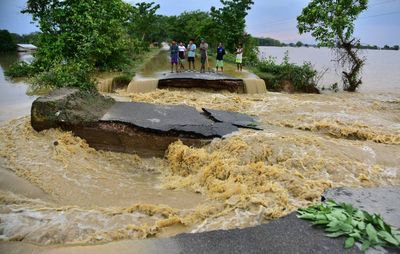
x=309, y=143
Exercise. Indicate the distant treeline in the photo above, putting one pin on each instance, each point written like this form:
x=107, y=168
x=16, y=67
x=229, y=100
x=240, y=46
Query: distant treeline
x=9, y=40
x=276, y=43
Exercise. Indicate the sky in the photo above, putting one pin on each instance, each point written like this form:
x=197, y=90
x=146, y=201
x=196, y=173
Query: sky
x=379, y=25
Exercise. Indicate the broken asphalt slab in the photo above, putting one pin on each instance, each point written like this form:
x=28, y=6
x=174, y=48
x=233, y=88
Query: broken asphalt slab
x=237, y=119
x=179, y=119
x=132, y=127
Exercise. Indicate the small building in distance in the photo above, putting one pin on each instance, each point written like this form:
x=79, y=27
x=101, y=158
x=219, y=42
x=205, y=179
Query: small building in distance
x=26, y=47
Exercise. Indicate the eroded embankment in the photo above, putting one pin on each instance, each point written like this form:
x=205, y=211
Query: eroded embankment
x=244, y=180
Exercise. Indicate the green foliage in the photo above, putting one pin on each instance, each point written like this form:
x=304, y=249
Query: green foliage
x=268, y=42
x=78, y=37
x=71, y=74
x=19, y=69
x=230, y=21
x=395, y=47
x=192, y=25
x=357, y=225
x=302, y=77
x=90, y=31
x=32, y=38
x=331, y=23
x=7, y=42
x=250, y=51
x=141, y=21
x=299, y=44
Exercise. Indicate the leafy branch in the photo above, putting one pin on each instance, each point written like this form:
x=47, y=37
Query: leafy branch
x=357, y=225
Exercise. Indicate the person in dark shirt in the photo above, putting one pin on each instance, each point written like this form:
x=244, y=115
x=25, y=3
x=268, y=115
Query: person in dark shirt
x=174, y=56
x=220, y=57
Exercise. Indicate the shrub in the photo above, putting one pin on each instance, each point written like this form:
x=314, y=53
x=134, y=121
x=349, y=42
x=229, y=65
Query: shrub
x=73, y=74
x=302, y=77
x=19, y=69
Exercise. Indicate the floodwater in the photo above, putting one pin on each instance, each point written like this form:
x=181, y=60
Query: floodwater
x=380, y=73
x=13, y=99
x=70, y=194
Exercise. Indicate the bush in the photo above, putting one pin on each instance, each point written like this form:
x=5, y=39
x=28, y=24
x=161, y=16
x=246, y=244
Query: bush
x=73, y=74
x=303, y=77
x=19, y=69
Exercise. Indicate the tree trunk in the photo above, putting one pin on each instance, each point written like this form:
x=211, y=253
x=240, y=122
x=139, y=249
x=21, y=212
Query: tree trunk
x=351, y=78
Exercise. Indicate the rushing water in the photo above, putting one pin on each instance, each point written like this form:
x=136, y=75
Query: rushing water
x=72, y=194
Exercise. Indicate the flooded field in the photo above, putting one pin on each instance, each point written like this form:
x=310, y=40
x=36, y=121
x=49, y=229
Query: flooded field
x=70, y=194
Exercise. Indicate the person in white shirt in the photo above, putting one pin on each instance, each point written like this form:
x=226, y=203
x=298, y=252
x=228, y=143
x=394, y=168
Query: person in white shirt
x=182, y=56
x=239, y=57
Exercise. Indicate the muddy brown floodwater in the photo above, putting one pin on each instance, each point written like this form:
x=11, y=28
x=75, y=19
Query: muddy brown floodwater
x=70, y=194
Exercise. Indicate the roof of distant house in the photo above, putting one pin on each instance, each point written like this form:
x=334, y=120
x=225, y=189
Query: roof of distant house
x=27, y=46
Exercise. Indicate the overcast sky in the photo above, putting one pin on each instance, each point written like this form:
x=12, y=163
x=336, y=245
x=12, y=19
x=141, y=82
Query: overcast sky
x=380, y=24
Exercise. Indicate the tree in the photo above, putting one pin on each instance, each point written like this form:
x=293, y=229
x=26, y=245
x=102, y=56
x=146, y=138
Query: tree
x=331, y=23
x=89, y=31
x=142, y=19
x=230, y=21
x=268, y=42
x=26, y=38
x=299, y=44
x=7, y=42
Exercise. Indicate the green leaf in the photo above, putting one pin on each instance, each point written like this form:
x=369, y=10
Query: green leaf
x=357, y=225
x=307, y=216
x=388, y=237
x=356, y=235
x=320, y=222
x=321, y=217
x=359, y=214
x=345, y=227
x=361, y=225
x=336, y=234
x=349, y=242
x=333, y=229
x=365, y=245
x=333, y=223
x=372, y=234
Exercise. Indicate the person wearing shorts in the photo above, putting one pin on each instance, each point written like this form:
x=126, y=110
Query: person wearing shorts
x=174, y=49
x=203, y=55
x=182, y=56
x=239, y=57
x=220, y=57
x=191, y=54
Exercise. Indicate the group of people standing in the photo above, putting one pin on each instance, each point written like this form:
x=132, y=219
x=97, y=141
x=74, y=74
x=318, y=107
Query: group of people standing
x=179, y=53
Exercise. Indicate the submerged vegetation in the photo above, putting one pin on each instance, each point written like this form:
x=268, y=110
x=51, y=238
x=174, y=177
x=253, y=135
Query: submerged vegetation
x=287, y=76
x=358, y=226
